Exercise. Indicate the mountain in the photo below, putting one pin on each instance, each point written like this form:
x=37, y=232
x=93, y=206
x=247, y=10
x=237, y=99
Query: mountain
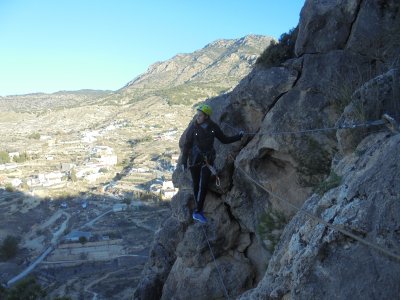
x=183, y=79
x=41, y=101
x=123, y=146
x=308, y=205
x=189, y=78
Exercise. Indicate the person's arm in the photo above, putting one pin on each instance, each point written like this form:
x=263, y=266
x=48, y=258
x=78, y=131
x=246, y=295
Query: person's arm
x=226, y=139
x=187, y=146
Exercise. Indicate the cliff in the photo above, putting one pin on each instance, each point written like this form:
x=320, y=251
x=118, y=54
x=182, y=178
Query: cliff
x=291, y=197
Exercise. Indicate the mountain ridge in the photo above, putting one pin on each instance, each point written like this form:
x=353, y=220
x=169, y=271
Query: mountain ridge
x=208, y=66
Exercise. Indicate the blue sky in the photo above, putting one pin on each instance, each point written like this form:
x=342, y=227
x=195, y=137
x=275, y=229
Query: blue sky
x=48, y=45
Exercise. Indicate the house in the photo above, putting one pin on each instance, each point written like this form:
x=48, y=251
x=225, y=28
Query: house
x=45, y=137
x=48, y=179
x=16, y=182
x=74, y=236
x=66, y=167
x=108, y=160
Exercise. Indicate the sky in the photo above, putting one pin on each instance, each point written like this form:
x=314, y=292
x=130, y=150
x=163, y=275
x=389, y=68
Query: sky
x=48, y=46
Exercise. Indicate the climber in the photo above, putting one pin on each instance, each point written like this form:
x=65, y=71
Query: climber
x=199, y=148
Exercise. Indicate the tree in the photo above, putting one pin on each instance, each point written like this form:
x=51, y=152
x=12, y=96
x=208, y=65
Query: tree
x=10, y=247
x=82, y=240
x=27, y=288
x=277, y=53
x=23, y=157
x=72, y=175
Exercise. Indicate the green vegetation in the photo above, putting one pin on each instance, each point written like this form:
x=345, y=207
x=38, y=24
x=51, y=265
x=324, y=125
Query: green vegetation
x=127, y=201
x=277, y=53
x=103, y=170
x=27, y=288
x=10, y=188
x=34, y=136
x=82, y=240
x=23, y=157
x=72, y=175
x=9, y=247
x=314, y=163
x=270, y=227
x=188, y=93
x=4, y=157
x=331, y=182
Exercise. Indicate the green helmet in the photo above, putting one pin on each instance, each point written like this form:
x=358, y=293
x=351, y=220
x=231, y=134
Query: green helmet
x=205, y=109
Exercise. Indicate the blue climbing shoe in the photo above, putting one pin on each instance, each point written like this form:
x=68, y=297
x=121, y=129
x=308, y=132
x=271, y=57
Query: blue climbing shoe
x=199, y=217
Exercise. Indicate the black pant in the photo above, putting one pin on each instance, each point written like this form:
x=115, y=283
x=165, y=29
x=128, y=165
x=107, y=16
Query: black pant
x=200, y=177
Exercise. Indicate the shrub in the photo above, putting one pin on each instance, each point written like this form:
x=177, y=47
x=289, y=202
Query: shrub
x=27, y=288
x=72, y=175
x=331, y=182
x=4, y=157
x=10, y=188
x=271, y=226
x=277, y=53
x=34, y=136
x=23, y=157
x=10, y=247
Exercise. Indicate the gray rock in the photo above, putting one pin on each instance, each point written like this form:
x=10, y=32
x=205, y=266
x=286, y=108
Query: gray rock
x=306, y=93
x=373, y=99
x=375, y=32
x=325, y=25
x=313, y=262
x=162, y=257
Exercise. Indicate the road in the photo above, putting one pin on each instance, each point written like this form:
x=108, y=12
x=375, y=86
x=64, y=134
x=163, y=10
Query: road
x=31, y=267
x=54, y=242
x=90, y=223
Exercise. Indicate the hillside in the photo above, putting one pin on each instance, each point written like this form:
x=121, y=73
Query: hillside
x=308, y=204
x=69, y=157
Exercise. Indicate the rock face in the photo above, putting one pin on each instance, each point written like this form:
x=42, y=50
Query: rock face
x=313, y=262
x=342, y=76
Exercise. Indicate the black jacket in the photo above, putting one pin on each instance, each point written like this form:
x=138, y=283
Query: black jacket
x=199, y=143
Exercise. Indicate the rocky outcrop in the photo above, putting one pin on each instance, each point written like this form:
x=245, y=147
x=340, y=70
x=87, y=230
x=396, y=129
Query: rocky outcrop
x=355, y=174
x=313, y=262
x=373, y=99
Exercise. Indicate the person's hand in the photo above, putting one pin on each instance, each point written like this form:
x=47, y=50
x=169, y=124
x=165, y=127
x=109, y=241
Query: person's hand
x=241, y=133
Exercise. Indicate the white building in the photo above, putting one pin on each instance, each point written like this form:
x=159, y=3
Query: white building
x=167, y=185
x=110, y=160
x=48, y=179
x=74, y=235
x=16, y=182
